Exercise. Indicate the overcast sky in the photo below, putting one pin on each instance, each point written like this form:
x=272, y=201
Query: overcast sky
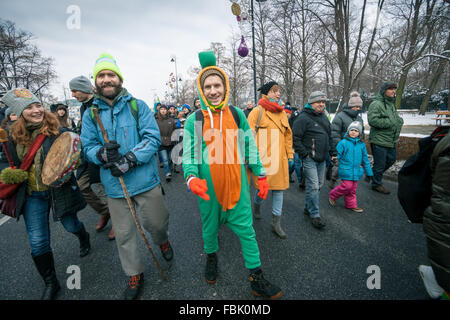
x=141, y=35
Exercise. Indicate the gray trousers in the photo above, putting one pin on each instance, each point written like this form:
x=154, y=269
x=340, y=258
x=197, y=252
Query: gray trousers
x=154, y=218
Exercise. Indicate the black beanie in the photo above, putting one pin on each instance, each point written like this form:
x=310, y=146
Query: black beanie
x=266, y=87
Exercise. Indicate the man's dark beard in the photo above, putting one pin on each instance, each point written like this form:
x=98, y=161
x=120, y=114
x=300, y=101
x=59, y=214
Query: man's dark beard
x=117, y=90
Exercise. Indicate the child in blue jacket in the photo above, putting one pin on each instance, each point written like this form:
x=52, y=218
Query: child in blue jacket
x=352, y=156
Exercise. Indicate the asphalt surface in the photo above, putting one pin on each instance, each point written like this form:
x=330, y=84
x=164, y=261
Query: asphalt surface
x=310, y=264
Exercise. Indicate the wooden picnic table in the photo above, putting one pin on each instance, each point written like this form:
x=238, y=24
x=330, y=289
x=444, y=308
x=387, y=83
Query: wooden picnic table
x=442, y=115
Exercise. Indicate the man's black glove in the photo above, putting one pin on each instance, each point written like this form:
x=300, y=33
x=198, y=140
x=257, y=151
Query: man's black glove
x=109, y=152
x=123, y=165
x=368, y=179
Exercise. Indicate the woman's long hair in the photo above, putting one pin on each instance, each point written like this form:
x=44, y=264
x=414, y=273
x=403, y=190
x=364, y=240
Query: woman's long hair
x=21, y=135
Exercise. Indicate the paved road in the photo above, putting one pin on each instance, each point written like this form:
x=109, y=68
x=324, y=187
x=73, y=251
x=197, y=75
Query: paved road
x=309, y=264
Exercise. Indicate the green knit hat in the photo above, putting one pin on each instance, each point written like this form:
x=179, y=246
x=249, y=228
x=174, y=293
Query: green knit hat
x=106, y=62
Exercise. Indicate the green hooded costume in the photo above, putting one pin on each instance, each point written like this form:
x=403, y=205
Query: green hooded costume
x=224, y=151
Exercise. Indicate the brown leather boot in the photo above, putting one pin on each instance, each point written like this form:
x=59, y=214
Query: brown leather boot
x=102, y=223
x=111, y=235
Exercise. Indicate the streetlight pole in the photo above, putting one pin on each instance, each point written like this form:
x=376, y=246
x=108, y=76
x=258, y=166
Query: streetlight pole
x=254, y=50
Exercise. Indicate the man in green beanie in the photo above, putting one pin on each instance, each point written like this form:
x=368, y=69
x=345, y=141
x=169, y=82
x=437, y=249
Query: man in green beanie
x=130, y=154
x=385, y=126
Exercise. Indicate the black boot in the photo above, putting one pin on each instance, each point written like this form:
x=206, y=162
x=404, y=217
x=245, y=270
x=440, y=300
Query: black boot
x=133, y=291
x=262, y=287
x=85, y=244
x=211, y=268
x=46, y=267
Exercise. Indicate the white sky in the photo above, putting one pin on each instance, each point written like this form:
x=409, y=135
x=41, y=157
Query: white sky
x=141, y=35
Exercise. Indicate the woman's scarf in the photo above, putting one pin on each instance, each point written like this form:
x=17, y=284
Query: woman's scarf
x=21, y=149
x=271, y=106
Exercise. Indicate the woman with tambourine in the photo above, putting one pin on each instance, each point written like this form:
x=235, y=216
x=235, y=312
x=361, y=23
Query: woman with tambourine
x=27, y=146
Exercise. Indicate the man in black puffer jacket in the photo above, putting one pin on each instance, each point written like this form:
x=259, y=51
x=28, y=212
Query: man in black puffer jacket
x=312, y=141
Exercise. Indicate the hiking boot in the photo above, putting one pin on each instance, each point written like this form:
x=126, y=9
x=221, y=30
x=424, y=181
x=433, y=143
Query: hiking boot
x=166, y=251
x=262, y=287
x=359, y=210
x=85, y=244
x=276, y=227
x=257, y=211
x=134, y=287
x=301, y=186
x=379, y=188
x=434, y=290
x=102, y=223
x=211, y=268
x=317, y=223
x=331, y=201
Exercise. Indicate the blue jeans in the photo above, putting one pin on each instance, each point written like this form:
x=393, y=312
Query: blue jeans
x=314, y=176
x=383, y=159
x=277, y=201
x=36, y=216
x=297, y=166
x=164, y=157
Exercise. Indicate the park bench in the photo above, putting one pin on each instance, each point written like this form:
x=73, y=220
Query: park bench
x=413, y=112
x=442, y=115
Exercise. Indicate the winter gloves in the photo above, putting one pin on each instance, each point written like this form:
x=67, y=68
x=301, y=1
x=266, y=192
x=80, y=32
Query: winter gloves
x=199, y=187
x=263, y=187
x=122, y=165
x=111, y=158
x=109, y=152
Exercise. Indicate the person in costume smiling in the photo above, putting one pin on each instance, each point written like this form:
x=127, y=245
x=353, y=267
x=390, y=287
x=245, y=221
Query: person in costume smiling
x=221, y=184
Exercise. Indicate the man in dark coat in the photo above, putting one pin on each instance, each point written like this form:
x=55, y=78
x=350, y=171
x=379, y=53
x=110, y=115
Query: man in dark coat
x=312, y=141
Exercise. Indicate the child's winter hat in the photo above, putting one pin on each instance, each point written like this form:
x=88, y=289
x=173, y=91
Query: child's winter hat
x=106, y=62
x=19, y=99
x=186, y=106
x=355, y=125
x=355, y=100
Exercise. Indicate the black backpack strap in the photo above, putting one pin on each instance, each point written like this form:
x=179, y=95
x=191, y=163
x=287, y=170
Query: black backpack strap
x=235, y=116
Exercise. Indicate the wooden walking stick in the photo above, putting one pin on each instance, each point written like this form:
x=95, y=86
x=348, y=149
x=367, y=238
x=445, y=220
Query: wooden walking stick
x=130, y=204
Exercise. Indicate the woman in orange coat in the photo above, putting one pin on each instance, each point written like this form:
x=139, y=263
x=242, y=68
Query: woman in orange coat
x=274, y=140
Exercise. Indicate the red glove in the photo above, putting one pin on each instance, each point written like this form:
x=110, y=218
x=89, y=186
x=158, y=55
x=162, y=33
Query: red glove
x=199, y=187
x=263, y=187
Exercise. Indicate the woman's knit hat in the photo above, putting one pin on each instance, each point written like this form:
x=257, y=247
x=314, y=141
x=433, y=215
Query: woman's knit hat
x=266, y=87
x=19, y=99
x=355, y=100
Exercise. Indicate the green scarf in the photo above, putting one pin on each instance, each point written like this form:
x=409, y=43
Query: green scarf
x=34, y=129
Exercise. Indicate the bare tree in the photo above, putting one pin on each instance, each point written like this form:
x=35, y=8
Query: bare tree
x=420, y=18
x=342, y=32
x=21, y=62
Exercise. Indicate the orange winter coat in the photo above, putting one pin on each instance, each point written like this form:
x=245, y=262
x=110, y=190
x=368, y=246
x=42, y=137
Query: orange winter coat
x=274, y=140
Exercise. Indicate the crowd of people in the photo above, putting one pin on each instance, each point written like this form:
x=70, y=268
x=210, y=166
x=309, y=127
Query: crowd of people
x=124, y=144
